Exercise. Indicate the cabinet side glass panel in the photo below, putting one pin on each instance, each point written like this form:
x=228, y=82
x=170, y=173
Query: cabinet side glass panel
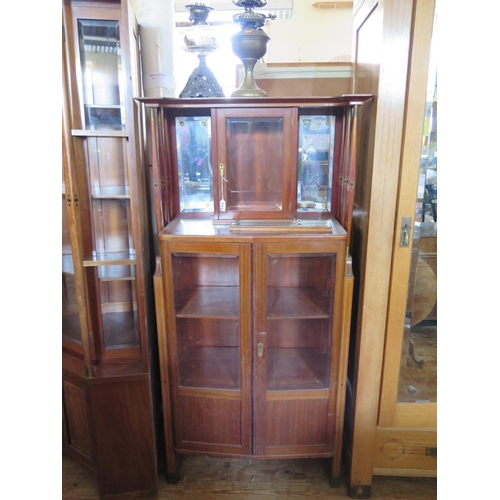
x=255, y=163
x=315, y=174
x=70, y=320
x=101, y=67
x=300, y=294
x=207, y=312
x=194, y=165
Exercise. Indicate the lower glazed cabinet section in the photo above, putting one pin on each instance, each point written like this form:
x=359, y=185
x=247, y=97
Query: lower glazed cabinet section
x=253, y=342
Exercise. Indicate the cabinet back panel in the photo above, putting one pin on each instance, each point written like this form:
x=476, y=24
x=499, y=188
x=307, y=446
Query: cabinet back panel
x=199, y=270
x=288, y=270
x=107, y=162
x=299, y=333
x=112, y=226
x=296, y=422
x=210, y=420
x=208, y=332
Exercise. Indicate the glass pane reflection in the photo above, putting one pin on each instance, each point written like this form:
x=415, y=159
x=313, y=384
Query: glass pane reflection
x=100, y=55
x=418, y=370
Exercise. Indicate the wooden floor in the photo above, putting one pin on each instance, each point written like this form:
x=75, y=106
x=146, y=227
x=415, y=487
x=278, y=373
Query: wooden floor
x=208, y=478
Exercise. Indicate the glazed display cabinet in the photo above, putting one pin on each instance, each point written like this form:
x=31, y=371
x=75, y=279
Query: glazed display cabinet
x=253, y=284
x=107, y=312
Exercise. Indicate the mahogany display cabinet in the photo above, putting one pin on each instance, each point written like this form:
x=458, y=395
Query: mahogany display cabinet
x=253, y=285
x=107, y=271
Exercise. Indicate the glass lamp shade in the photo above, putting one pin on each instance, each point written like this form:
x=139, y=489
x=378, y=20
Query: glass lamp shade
x=200, y=39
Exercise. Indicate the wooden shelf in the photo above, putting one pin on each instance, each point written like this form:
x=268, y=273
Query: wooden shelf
x=298, y=303
x=297, y=369
x=216, y=367
x=110, y=259
x=208, y=302
x=111, y=192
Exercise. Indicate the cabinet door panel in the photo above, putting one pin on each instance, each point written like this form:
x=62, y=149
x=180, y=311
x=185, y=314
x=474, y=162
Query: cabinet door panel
x=76, y=416
x=297, y=423
x=210, y=421
x=208, y=304
x=255, y=163
x=297, y=309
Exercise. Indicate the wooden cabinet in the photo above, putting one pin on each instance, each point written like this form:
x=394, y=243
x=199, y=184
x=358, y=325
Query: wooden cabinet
x=253, y=285
x=107, y=312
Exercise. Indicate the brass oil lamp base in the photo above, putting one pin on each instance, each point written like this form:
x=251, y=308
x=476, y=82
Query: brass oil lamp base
x=250, y=45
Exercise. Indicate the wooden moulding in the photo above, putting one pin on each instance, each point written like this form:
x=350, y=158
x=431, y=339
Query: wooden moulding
x=288, y=226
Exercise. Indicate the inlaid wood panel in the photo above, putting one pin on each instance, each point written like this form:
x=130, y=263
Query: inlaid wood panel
x=210, y=420
x=296, y=423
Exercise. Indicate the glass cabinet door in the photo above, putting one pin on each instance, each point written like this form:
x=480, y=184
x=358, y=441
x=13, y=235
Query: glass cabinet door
x=210, y=337
x=111, y=266
x=106, y=173
x=71, y=331
x=294, y=339
x=299, y=305
x=255, y=163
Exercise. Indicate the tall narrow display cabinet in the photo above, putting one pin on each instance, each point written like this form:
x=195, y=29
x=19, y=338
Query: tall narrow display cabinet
x=107, y=304
x=253, y=286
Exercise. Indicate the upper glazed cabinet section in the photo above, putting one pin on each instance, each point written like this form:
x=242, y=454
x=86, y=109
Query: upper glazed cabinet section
x=254, y=158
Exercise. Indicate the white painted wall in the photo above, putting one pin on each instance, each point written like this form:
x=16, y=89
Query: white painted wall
x=311, y=35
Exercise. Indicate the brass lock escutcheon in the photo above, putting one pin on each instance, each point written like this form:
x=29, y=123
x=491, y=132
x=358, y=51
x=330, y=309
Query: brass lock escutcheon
x=260, y=349
x=404, y=240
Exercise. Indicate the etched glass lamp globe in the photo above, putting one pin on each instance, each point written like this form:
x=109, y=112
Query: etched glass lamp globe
x=200, y=39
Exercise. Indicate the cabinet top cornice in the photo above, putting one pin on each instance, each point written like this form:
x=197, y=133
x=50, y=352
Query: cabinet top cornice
x=262, y=102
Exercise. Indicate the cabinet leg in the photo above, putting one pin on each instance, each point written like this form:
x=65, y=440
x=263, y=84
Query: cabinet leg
x=360, y=491
x=334, y=481
x=172, y=477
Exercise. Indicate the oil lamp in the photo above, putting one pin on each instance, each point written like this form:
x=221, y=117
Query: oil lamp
x=200, y=39
x=250, y=44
